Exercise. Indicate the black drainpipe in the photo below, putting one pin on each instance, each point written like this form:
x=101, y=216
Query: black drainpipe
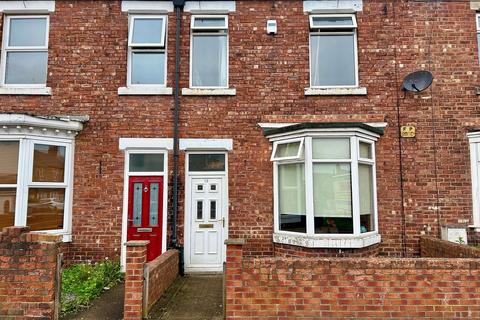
x=176, y=111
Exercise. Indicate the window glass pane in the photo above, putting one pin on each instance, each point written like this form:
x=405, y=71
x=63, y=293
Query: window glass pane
x=332, y=198
x=332, y=60
x=27, y=32
x=365, y=177
x=206, y=162
x=209, y=61
x=287, y=149
x=331, y=148
x=209, y=22
x=48, y=163
x=137, y=203
x=154, y=194
x=365, y=150
x=291, y=197
x=199, y=210
x=8, y=162
x=148, y=68
x=213, y=209
x=7, y=207
x=147, y=31
x=146, y=162
x=332, y=21
x=45, y=208
x=26, y=68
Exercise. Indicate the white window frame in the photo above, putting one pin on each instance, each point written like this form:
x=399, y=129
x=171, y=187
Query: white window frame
x=311, y=239
x=296, y=157
x=148, y=47
x=7, y=48
x=327, y=30
x=25, y=175
x=477, y=18
x=197, y=31
x=474, y=142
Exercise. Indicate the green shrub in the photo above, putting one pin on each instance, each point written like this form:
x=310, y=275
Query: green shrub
x=82, y=283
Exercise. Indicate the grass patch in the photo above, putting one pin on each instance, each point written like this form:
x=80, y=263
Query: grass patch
x=82, y=283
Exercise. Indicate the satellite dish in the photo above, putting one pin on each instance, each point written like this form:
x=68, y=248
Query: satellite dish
x=417, y=81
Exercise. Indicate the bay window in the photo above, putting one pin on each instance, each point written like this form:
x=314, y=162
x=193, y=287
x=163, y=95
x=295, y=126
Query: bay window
x=34, y=183
x=36, y=172
x=325, y=190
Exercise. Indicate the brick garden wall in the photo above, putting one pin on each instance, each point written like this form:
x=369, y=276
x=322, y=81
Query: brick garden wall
x=437, y=248
x=159, y=275
x=88, y=62
x=350, y=288
x=29, y=270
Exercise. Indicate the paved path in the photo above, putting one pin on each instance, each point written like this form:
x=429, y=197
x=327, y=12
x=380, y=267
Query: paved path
x=109, y=306
x=193, y=297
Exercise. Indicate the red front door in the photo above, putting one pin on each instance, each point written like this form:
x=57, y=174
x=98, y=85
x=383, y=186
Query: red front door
x=145, y=208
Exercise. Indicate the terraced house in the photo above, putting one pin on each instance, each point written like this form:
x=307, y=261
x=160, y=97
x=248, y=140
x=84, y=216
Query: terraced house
x=281, y=123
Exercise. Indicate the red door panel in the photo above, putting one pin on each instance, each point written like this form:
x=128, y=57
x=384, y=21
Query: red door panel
x=145, y=210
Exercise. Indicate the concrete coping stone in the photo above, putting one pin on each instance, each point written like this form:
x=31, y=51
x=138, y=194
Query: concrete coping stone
x=235, y=241
x=137, y=243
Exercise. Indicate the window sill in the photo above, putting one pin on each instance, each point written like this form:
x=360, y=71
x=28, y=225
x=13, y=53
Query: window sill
x=144, y=91
x=66, y=237
x=359, y=91
x=209, y=92
x=325, y=241
x=45, y=91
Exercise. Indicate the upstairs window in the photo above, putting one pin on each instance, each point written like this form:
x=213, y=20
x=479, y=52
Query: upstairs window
x=209, y=52
x=478, y=35
x=147, y=54
x=25, y=51
x=333, y=51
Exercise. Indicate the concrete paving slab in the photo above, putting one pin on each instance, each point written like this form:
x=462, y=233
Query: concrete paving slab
x=193, y=297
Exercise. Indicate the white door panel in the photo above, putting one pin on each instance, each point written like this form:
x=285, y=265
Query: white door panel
x=207, y=221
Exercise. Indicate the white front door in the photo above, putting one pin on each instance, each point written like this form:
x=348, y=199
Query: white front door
x=207, y=222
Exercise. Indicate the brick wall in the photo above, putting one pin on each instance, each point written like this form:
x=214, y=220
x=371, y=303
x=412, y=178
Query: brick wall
x=146, y=282
x=134, y=281
x=87, y=64
x=159, y=275
x=437, y=248
x=353, y=288
x=29, y=274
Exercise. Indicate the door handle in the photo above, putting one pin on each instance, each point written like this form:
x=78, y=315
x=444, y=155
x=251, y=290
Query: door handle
x=222, y=220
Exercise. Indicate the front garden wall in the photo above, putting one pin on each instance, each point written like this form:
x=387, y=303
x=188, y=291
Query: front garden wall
x=358, y=288
x=29, y=274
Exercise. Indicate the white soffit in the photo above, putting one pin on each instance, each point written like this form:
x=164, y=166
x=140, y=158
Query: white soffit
x=338, y=6
x=209, y=6
x=147, y=6
x=53, y=122
x=27, y=6
x=146, y=143
x=206, y=144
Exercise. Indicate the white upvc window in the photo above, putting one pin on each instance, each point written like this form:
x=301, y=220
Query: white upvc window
x=333, y=51
x=36, y=183
x=209, y=51
x=24, y=56
x=478, y=34
x=474, y=141
x=328, y=192
x=147, y=55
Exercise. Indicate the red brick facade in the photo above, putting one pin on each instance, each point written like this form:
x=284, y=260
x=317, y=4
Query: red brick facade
x=29, y=274
x=88, y=63
x=436, y=248
x=350, y=288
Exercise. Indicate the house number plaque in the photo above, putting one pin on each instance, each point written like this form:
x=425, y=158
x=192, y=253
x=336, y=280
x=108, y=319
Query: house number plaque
x=407, y=131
